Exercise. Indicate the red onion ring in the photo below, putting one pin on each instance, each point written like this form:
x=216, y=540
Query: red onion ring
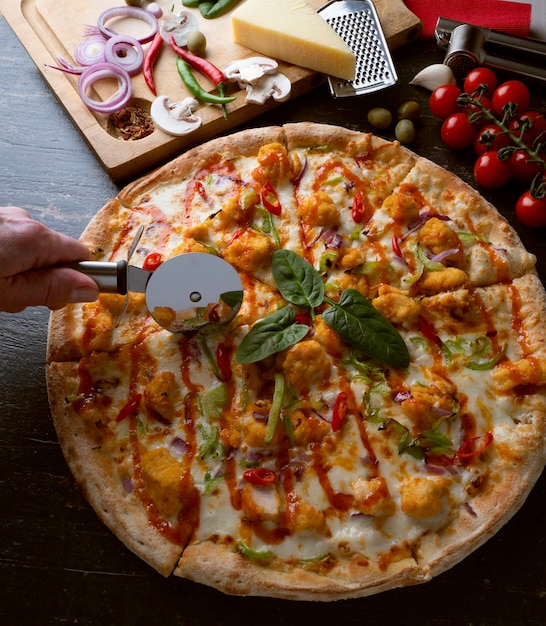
x=127, y=11
x=98, y=71
x=124, y=51
x=90, y=50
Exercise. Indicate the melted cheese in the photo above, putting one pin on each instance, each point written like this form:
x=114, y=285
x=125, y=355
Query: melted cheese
x=292, y=31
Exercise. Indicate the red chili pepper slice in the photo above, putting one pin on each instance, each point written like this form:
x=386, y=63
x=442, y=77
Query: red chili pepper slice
x=152, y=261
x=428, y=331
x=201, y=189
x=396, y=247
x=260, y=476
x=130, y=408
x=360, y=212
x=340, y=410
x=270, y=199
x=149, y=60
x=222, y=358
x=468, y=451
x=303, y=318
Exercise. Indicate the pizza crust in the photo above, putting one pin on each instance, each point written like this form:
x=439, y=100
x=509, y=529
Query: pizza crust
x=228, y=571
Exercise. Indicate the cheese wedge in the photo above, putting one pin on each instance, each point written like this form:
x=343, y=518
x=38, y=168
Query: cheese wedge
x=290, y=30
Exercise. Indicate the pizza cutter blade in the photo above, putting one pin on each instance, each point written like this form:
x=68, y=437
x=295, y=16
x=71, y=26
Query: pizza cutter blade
x=183, y=294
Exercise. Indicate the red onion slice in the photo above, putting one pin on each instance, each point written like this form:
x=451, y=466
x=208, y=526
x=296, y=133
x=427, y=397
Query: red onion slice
x=90, y=50
x=441, y=256
x=127, y=11
x=96, y=72
x=126, y=52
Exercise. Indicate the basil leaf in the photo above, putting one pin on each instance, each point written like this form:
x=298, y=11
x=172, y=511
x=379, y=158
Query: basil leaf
x=356, y=320
x=270, y=335
x=297, y=280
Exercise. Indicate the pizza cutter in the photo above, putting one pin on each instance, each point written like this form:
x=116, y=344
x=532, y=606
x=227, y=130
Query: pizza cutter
x=184, y=294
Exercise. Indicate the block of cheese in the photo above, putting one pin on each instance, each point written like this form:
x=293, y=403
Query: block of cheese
x=290, y=30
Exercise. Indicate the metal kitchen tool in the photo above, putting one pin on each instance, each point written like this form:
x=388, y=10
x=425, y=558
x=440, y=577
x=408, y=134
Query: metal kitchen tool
x=183, y=294
x=468, y=46
x=357, y=23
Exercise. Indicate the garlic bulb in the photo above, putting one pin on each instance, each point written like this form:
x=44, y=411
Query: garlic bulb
x=434, y=76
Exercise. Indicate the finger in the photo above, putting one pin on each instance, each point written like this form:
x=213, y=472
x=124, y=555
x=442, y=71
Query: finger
x=53, y=288
x=26, y=244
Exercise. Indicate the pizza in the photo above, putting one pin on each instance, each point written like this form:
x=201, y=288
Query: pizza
x=374, y=412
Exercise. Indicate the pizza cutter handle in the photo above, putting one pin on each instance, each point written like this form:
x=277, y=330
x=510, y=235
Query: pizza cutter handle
x=110, y=276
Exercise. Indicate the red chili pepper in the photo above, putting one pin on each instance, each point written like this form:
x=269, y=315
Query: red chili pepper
x=468, y=451
x=201, y=189
x=149, y=60
x=222, y=358
x=428, y=331
x=208, y=69
x=270, y=199
x=152, y=261
x=396, y=247
x=130, y=408
x=260, y=476
x=236, y=235
x=360, y=212
x=340, y=410
x=303, y=318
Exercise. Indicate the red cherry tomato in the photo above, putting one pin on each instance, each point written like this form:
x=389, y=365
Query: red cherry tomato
x=458, y=132
x=490, y=137
x=536, y=131
x=523, y=168
x=490, y=171
x=443, y=101
x=478, y=77
x=478, y=115
x=531, y=211
x=511, y=91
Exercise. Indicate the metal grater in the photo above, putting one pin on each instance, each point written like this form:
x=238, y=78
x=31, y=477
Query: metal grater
x=357, y=23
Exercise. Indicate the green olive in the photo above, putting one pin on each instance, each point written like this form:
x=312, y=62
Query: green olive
x=409, y=110
x=380, y=117
x=405, y=131
x=196, y=42
x=134, y=3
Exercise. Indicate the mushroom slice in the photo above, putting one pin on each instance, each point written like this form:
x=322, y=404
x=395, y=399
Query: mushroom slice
x=249, y=71
x=276, y=86
x=175, y=118
x=178, y=25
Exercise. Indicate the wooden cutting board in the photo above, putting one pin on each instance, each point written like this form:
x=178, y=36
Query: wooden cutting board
x=51, y=28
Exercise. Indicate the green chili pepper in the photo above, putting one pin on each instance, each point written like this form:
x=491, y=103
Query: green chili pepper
x=195, y=88
x=210, y=10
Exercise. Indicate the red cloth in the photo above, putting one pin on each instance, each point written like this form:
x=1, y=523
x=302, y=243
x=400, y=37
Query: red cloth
x=513, y=18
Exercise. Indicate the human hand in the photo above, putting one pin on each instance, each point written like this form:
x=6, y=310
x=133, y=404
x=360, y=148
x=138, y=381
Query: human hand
x=28, y=250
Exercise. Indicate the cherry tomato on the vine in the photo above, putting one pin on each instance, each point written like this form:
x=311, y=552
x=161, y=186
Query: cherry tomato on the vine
x=481, y=76
x=511, y=91
x=531, y=211
x=443, y=101
x=523, y=168
x=478, y=115
x=490, y=171
x=537, y=127
x=490, y=137
x=458, y=132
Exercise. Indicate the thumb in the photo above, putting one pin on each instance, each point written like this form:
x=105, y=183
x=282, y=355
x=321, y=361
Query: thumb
x=52, y=287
